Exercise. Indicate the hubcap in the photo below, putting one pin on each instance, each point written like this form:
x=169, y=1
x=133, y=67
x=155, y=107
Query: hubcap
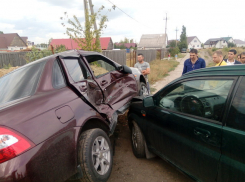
x=101, y=155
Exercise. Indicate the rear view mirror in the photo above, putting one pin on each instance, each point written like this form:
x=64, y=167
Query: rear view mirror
x=148, y=101
x=125, y=69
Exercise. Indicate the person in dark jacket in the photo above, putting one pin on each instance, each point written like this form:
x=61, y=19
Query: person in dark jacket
x=194, y=62
x=243, y=57
x=231, y=58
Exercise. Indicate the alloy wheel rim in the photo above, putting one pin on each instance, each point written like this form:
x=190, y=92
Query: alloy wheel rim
x=134, y=138
x=144, y=90
x=101, y=155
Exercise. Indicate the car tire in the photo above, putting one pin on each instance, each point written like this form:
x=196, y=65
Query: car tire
x=95, y=155
x=138, y=141
x=143, y=89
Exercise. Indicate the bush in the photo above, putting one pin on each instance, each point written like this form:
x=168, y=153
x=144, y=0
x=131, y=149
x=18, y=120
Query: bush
x=225, y=49
x=174, y=51
x=214, y=49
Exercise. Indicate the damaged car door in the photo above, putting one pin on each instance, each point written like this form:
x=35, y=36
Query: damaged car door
x=118, y=87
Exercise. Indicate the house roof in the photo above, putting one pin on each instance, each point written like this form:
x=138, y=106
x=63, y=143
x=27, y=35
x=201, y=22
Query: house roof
x=9, y=39
x=3, y=43
x=153, y=41
x=238, y=41
x=127, y=45
x=211, y=40
x=24, y=39
x=71, y=44
x=226, y=38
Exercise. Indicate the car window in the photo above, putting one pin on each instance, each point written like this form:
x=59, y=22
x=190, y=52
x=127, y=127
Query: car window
x=74, y=69
x=20, y=83
x=58, y=78
x=100, y=65
x=204, y=98
x=236, y=117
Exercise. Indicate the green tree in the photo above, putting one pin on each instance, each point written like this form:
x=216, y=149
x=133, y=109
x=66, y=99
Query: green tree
x=172, y=43
x=1, y=32
x=86, y=37
x=183, y=39
x=230, y=44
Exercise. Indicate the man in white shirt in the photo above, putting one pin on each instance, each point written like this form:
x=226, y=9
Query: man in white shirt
x=231, y=58
x=144, y=68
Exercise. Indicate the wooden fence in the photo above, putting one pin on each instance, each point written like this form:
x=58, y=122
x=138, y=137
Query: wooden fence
x=13, y=58
x=118, y=56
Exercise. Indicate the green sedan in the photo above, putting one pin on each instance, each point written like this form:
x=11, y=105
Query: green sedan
x=196, y=122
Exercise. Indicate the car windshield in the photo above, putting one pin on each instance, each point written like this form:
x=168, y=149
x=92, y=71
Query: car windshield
x=20, y=83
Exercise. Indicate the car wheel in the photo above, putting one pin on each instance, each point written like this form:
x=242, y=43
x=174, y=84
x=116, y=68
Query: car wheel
x=95, y=155
x=138, y=141
x=143, y=89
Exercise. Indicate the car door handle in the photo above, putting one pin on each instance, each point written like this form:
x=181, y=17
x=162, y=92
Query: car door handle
x=202, y=132
x=103, y=82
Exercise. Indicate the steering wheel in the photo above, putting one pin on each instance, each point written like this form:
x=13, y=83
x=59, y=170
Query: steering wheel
x=192, y=105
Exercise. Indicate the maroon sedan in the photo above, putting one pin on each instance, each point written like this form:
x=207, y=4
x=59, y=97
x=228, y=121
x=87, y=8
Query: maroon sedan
x=56, y=116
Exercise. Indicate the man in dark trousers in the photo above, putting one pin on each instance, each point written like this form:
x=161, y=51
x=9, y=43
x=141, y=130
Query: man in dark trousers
x=231, y=58
x=194, y=62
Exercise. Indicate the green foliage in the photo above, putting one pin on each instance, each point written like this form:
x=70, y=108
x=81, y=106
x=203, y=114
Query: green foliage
x=119, y=46
x=86, y=37
x=225, y=49
x=1, y=32
x=7, y=66
x=174, y=51
x=230, y=44
x=214, y=49
x=183, y=39
x=35, y=53
x=172, y=44
x=202, y=45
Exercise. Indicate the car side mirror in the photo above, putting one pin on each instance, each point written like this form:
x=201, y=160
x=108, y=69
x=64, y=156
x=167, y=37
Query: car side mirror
x=148, y=101
x=125, y=69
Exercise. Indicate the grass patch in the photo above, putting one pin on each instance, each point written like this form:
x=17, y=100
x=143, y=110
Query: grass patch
x=211, y=64
x=160, y=69
x=181, y=55
x=152, y=89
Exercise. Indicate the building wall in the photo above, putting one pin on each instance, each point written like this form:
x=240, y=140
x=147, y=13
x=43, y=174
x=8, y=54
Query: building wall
x=195, y=43
x=15, y=48
x=221, y=44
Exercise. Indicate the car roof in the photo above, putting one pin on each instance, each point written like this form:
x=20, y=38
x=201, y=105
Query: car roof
x=238, y=69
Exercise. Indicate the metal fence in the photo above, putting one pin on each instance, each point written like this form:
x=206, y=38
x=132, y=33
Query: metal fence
x=118, y=56
x=13, y=58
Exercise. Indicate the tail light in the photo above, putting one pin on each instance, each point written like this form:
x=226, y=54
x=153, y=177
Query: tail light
x=12, y=144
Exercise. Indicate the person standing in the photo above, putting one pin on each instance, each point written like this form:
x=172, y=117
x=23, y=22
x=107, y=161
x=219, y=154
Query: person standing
x=144, y=68
x=218, y=59
x=239, y=57
x=176, y=56
x=243, y=57
x=194, y=62
x=231, y=58
x=169, y=56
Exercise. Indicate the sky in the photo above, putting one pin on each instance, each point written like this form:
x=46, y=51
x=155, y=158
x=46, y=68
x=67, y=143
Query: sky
x=39, y=20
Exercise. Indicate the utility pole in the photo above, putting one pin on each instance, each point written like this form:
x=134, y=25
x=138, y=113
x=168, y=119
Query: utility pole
x=166, y=28
x=176, y=36
x=85, y=3
x=92, y=13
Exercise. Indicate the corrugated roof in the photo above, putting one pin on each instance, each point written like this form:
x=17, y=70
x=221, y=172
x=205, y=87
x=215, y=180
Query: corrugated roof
x=71, y=44
x=153, y=41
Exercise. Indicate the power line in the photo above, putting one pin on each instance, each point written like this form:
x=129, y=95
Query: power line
x=129, y=15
